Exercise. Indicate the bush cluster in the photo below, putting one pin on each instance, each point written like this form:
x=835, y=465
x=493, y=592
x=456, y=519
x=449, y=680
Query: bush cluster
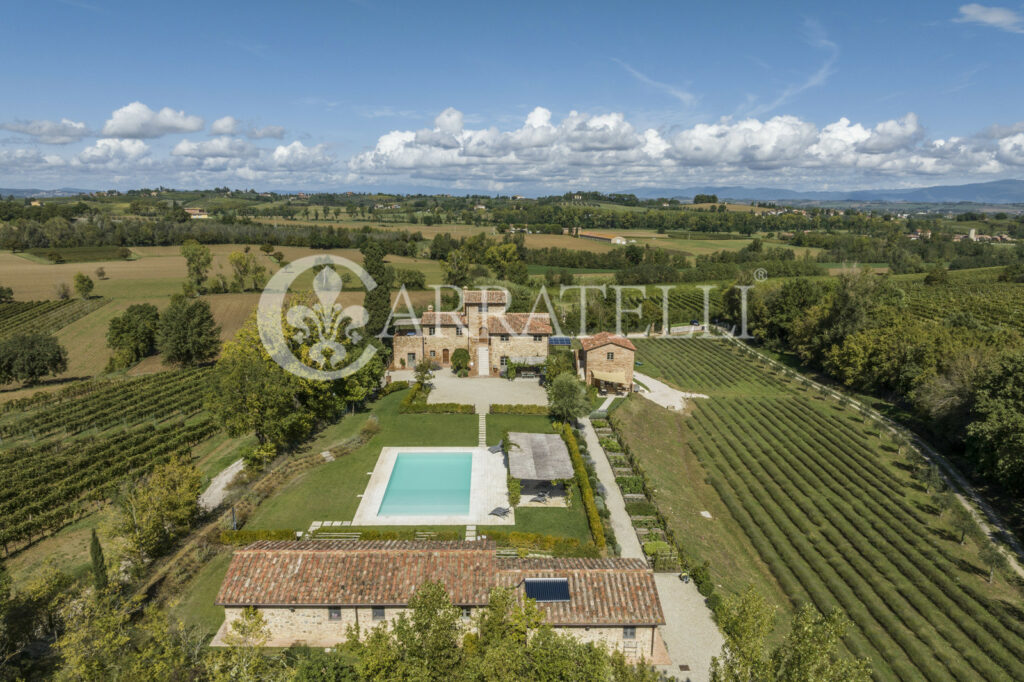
x=519, y=409
x=586, y=492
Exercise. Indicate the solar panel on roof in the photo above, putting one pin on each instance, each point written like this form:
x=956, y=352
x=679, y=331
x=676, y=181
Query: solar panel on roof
x=547, y=589
x=560, y=341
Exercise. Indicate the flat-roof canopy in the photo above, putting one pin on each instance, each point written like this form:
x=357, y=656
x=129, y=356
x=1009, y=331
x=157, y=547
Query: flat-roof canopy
x=611, y=377
x=538, y=457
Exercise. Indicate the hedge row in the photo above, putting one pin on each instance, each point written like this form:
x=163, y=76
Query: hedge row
x=416, y=403
x=519, y=409
x=558, y=546
x=583, y=480
x=371, y=533
x=394, y=386
x=245, y=537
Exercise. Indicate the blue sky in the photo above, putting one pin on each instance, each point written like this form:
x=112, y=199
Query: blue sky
x=525, y=97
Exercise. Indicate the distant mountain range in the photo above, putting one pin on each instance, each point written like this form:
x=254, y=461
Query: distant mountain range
x=995, y=192
x=43, y=193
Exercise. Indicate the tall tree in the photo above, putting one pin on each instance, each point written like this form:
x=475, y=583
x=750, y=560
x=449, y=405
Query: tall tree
x=456, y=268
x=567, y=398
x=132, y=334
x=197, y=259
x=99, y=564
x=29, y=357
x=153, y=513
x=996, y=437
x=83, y=285
x=187, y=334
x=378, y=301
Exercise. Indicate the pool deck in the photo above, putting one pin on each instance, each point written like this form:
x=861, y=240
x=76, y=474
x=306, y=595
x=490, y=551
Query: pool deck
x=488, y=489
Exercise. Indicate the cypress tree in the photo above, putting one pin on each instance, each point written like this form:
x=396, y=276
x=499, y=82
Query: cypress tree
x=99, y=564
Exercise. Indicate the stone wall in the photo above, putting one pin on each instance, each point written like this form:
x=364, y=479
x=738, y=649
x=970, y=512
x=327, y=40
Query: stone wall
x=444, y=338
x=312, y=626
x=596, y=360
x=516, y=346
x=612, y=638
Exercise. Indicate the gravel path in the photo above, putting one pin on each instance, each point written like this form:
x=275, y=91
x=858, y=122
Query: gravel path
x=690, y=633
x=215, y=492
x=662, y=394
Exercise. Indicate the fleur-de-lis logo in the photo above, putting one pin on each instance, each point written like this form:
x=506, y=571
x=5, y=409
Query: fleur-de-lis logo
x=326, y=323
x=326, y=317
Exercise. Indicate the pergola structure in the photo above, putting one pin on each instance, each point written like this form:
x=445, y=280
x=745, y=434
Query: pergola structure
x=538, y=457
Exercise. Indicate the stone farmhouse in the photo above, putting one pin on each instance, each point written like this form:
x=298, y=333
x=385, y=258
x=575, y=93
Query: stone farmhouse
x=310, y=592
x=606, y=361
x=493, y=336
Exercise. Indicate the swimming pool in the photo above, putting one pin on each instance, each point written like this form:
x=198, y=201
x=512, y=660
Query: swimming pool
x=429, y=484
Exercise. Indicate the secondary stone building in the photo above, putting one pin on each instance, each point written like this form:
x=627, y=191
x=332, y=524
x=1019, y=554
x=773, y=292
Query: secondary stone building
x=493, y=336
x=311, y=591
x=606, y=361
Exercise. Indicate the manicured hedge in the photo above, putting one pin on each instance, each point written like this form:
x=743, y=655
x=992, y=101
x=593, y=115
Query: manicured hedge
x=519, y=409
x=559, y=546
x=394, y=386
x=583, y=480
x=416, y=403
x=246, y=537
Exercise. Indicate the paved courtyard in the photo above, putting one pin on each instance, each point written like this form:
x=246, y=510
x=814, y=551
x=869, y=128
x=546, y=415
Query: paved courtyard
x=479, y=391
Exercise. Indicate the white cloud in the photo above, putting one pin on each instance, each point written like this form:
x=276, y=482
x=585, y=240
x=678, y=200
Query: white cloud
x=136, y=120
x=297, y=156
x=21, y=160
x=275, y=132
x=50, y=132
x=218, y=147
x=890, y=136
x=228, y=125
x=110, y=150
x=997, y=17
x=686, y=98
x=607, y=150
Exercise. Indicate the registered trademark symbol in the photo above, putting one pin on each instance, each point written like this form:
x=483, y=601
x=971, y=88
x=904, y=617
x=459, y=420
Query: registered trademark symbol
x=760, y=274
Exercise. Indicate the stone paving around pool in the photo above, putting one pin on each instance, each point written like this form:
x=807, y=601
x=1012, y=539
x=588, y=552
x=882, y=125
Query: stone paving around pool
x=488, y=490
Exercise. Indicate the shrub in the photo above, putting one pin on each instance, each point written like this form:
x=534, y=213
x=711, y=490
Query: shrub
x=394, y=386
x=599, y=423
x=416, y=403
x=611, y=444
x=630, y=484
x=519, y=409
x=641, y=509
x=559, y=546
x=515, y=490
x=586, y=492
x=371, y=428
x=245, y=537
x=655, y=547
x=460, y=360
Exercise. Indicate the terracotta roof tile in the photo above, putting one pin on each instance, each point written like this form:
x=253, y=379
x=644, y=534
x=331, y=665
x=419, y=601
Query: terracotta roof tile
x=603, y=339
x=519, y=323
x=608, y=591
x=493, y=296
x=446, y=319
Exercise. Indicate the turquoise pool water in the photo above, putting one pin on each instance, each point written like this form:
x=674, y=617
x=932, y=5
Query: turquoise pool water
x=429, y=484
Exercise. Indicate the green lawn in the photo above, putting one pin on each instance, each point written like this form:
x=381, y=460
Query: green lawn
x=196, y=607
x=328, y=492
x=561, y=522
x=498, y=424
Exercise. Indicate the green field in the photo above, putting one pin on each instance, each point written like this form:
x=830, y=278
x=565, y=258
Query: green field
x=832, y=513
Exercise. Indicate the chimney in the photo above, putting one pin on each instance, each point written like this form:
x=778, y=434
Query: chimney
x=430, y=308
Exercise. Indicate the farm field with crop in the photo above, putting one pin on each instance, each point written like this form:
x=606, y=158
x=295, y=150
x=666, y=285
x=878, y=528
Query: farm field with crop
x=63, y=454
x=976, y=293
x=837, y=517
